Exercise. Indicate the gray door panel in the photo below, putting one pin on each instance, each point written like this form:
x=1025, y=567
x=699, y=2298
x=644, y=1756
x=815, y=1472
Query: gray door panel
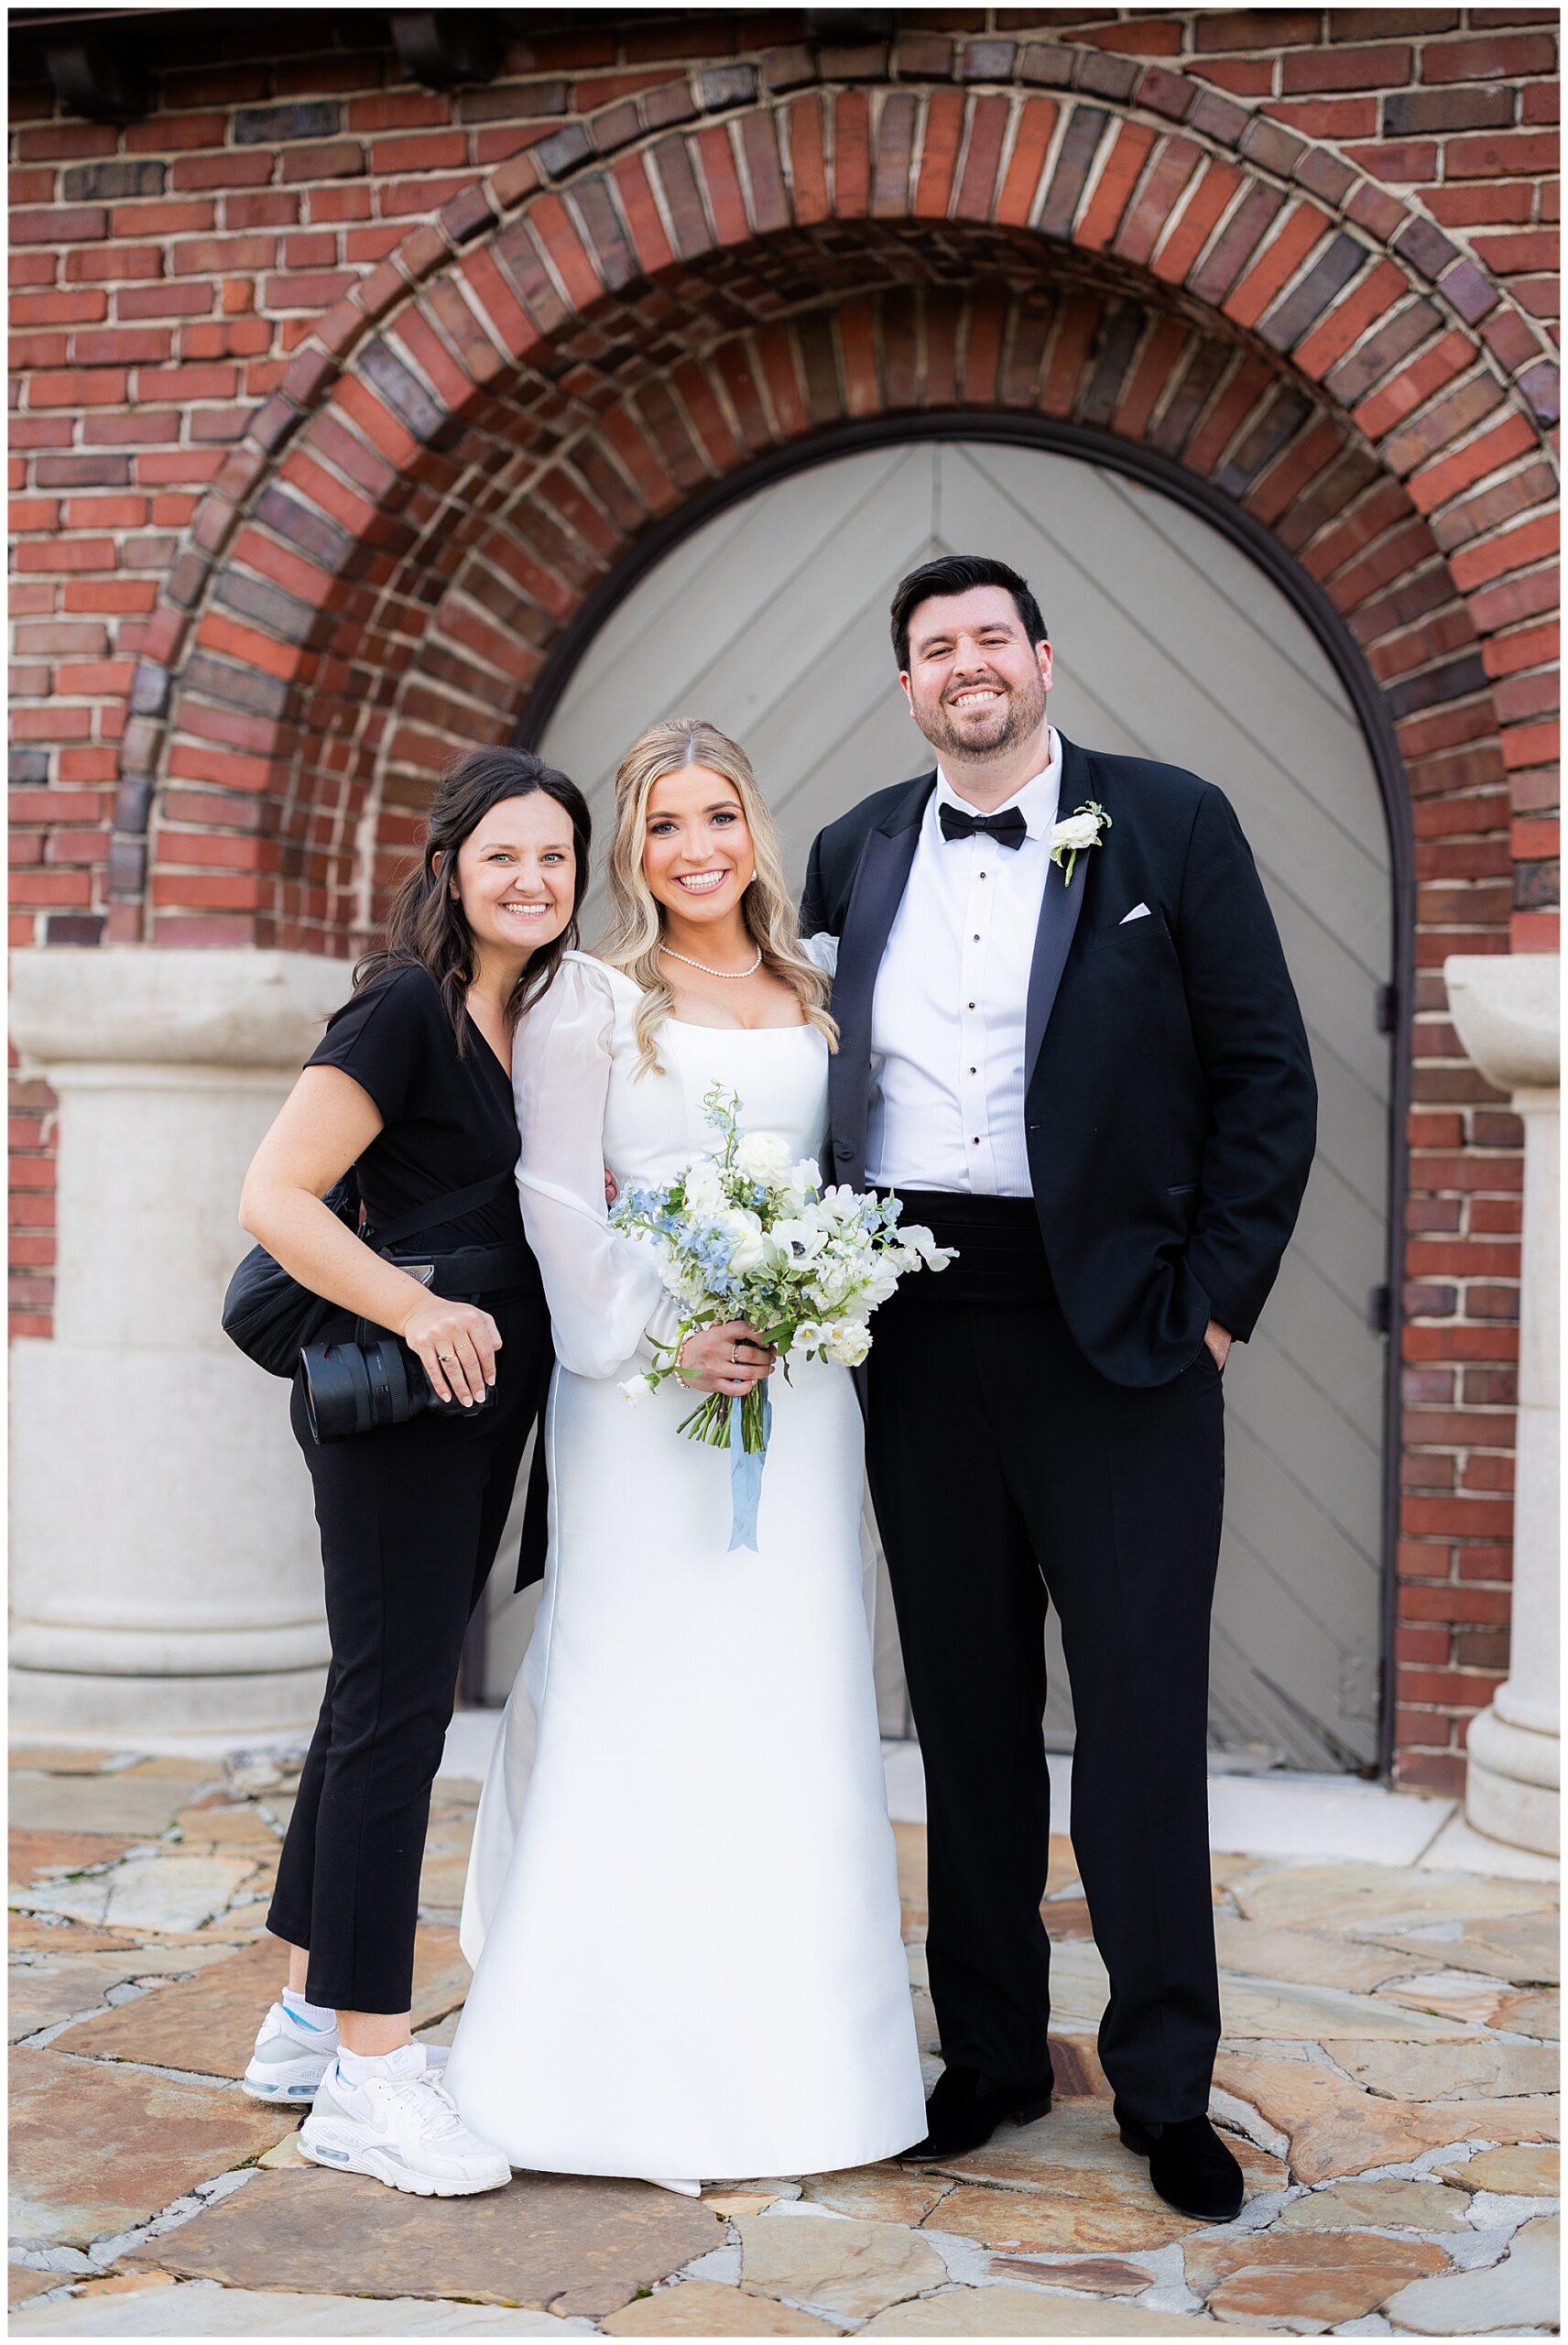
x=772, y=620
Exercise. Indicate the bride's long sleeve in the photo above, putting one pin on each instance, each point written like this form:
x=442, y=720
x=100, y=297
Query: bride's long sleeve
x=605, y=1292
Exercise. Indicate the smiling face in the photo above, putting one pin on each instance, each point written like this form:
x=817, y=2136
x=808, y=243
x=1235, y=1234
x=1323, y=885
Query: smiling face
x=697, y=855
x=976, y=684
x=517, y=874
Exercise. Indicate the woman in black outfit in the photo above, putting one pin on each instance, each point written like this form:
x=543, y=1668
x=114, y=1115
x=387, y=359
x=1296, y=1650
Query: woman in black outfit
x=411, y=1084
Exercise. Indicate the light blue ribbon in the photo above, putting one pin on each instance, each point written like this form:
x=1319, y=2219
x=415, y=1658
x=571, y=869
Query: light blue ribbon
x=745, y=1476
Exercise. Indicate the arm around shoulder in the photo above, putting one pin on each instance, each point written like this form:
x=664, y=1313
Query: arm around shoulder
x=820, y=947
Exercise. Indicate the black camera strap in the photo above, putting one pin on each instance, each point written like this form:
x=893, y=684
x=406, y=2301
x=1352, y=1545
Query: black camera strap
x=435, y=1216
x=441, y=1210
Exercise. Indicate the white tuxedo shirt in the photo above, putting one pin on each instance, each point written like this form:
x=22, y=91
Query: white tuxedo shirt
x=946, y=1107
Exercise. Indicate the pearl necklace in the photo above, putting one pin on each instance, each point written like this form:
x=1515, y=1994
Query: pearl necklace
x=732, y=976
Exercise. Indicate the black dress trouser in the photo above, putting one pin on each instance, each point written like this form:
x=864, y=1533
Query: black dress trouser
x=410, y=1518
x=1008, y=1474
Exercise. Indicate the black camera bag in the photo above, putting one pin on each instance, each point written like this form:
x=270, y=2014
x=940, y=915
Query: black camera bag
x=272, y=1317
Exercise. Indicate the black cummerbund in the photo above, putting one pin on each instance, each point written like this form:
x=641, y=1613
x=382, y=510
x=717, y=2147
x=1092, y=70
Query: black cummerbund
x=1001, y=1255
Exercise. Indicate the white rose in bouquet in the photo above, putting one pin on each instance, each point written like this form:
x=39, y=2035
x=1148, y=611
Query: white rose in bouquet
x=765, y=1157
x=748, y=1241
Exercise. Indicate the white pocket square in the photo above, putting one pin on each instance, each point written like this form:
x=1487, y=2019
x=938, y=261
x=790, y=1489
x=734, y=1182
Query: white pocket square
x=1138, y=911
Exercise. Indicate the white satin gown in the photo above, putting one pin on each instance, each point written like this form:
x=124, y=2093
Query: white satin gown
x=681, y=1905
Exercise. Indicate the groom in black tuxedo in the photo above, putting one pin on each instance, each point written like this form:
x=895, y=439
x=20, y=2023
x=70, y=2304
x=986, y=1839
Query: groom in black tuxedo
x=1068, y=1041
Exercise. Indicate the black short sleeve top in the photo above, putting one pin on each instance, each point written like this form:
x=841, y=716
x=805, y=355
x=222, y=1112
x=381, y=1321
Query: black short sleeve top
x=447, y=1120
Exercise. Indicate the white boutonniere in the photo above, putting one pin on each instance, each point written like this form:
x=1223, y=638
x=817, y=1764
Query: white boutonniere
x=1076, y=832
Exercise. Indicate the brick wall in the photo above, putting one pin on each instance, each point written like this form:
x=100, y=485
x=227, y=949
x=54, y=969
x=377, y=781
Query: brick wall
x=336, y=396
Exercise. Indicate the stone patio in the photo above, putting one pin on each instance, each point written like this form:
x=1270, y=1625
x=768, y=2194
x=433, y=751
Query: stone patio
x=1387, y=2078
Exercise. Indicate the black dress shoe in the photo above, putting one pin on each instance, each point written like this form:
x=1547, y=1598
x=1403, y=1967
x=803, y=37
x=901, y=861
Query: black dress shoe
x=964, y=2111
x=1189, y=2166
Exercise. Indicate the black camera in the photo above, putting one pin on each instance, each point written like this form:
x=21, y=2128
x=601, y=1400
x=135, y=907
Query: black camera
x=354, y=1388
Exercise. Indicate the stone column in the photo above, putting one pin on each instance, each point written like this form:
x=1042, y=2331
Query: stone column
x=1506, y=1014
x=166, y=1572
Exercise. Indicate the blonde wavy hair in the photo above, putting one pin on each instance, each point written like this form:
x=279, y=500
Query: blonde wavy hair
x=637, y=925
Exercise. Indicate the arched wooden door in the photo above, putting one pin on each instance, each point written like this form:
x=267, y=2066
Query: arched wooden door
x=1171, y=642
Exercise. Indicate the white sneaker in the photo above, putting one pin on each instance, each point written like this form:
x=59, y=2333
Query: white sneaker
x=404, y=2129
x=289, y=2059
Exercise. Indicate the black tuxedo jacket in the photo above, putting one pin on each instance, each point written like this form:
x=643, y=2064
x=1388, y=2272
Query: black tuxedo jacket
x=1171, y=1110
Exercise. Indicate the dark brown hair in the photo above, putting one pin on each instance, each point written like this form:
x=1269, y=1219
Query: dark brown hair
x=426, y=927
x=955, y=573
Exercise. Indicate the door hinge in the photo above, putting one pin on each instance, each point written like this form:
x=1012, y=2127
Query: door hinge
x=1387, y=1009
x=1380, y=1309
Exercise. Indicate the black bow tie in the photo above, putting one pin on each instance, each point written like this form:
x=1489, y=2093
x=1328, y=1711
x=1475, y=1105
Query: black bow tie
x=1008, y=828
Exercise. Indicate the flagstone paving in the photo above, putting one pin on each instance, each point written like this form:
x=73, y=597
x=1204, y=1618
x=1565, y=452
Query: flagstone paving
x=1387, y=2078
x=1518, y=2294
x=95, y=2151
x=206, y=2025
x=1533, y=2173
x=556, y=2242
x=246, y=2312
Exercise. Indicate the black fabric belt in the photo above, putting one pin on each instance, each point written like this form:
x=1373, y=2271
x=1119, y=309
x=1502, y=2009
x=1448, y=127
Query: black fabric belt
x=1001, y=1254
x=462, y=1272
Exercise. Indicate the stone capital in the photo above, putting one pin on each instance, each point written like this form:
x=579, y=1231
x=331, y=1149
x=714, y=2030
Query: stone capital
x=1507, y=1010
x=162, y=1006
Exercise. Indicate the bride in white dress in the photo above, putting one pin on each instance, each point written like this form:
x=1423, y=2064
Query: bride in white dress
x=683, y=1904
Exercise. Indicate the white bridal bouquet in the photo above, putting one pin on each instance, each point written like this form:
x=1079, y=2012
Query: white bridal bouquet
x=748, y=1233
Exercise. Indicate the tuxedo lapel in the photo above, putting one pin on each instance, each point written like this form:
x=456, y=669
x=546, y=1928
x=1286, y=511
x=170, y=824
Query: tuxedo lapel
x=880, y=880
x=1060, y=908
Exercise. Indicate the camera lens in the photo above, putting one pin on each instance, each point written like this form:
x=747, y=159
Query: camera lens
x=337, y=1395
x=394, y=1376
x=349, y=1388
x=353, y=1388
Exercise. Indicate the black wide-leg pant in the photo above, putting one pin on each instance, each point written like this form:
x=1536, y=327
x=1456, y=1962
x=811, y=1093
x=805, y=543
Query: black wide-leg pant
x=1008, y=1474
x=410, y=1518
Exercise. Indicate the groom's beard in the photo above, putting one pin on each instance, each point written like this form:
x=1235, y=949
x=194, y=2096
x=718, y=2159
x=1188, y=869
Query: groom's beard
x=1017, y=716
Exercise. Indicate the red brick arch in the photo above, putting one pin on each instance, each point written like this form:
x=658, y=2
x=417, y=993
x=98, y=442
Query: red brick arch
x=723, y=238
x=480, y=431
x=646, y=301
